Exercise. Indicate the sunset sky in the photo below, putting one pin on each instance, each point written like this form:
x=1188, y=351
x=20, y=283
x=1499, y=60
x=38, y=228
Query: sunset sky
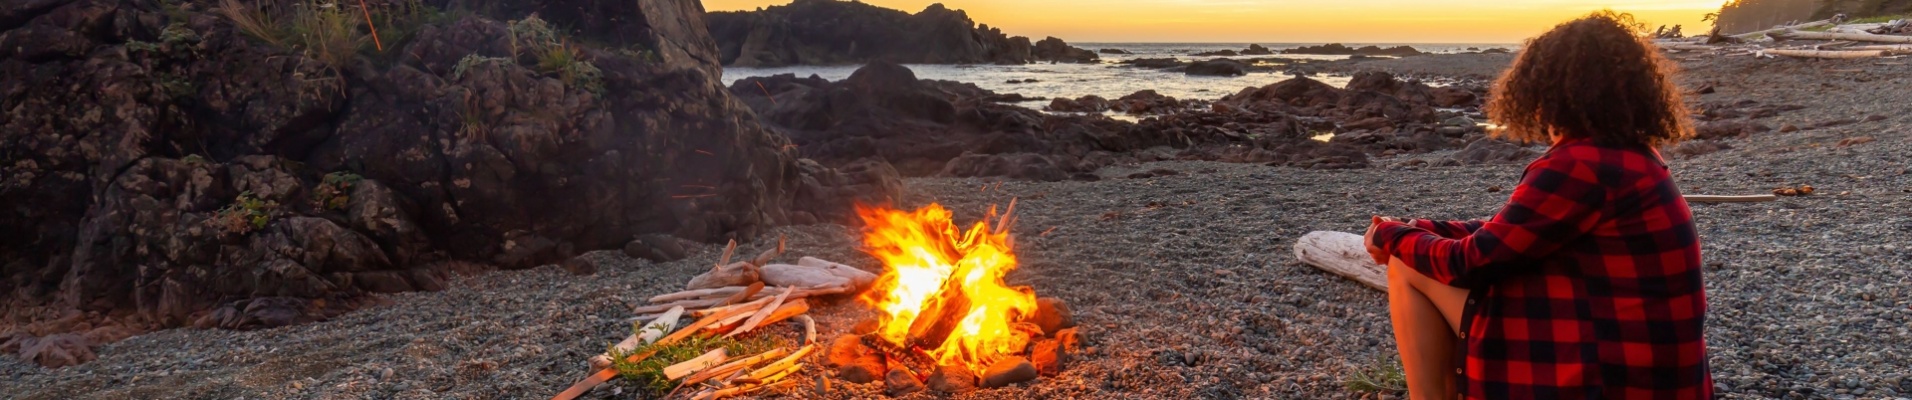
x=1276, y=21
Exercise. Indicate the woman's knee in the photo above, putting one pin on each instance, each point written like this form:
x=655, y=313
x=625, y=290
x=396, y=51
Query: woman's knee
x=1399, y=274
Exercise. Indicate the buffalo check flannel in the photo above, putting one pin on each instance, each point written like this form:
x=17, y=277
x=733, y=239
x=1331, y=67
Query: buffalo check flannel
x=1585, y=286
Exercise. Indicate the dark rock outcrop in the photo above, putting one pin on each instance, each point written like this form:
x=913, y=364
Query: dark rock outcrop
x=1344, y=50
x=169, y=170
x=830, y=32
x=1155, y=63
x=1257, y=50
x=1055, y=50
x=1217, y=67
x=924, y=127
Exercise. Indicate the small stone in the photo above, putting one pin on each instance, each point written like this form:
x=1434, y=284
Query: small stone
x=385, y=374
x=1164, y=172
x=1788, y=128
x=579, y=266
x=1068, y=339
x=1008, y=371
x=1494, y=189
x=900, y=382
x=656, y=247
x=1875, y=118
x=864, y=327
x=1141, y=175
x=1049, y=357
x=952, y=379
x=1053, y=315
x=854, y=362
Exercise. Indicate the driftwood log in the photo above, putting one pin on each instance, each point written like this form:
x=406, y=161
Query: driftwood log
x=651, y=332
x=862, y=279
x=692, y=366
x=1762, y=33
x=1856, y=37
x=1701, y=198
x=1830, y=54
x=761, y=314
x=605, y=374
x=1343, y=254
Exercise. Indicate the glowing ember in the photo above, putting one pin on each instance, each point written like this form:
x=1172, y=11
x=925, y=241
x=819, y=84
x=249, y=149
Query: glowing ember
x=933, y=270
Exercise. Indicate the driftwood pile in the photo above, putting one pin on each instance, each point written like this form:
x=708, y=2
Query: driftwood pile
x=729, y=300
x=1874, y=40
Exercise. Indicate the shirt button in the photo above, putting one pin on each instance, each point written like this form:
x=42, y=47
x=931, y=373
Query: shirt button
x=1470, y=301
x=1458, y=371
x=1463, y=335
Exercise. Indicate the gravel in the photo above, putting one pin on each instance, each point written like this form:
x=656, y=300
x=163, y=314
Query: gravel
x=1184, y=285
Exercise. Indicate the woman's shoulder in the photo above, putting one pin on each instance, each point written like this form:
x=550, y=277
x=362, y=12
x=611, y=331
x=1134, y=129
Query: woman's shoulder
x=1610, y=165
x=1637, y=158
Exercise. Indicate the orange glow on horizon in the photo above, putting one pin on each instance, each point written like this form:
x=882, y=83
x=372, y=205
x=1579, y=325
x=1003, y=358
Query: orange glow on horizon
x=1287, y=21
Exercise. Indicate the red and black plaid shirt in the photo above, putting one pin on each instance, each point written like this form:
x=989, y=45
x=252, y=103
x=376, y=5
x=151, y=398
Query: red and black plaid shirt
x=1585, y=286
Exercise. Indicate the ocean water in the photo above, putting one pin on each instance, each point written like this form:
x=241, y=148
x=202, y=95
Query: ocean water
x=1108, y=79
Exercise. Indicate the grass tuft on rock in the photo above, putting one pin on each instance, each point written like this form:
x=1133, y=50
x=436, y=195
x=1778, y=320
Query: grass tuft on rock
x=534, y=37
x=1384, y=375
x=649, y=373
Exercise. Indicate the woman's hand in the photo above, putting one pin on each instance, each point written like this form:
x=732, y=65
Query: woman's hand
x=1380, y=255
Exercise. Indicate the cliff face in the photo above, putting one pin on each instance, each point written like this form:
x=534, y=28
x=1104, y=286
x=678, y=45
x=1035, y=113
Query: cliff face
x=162, y=166
x=825, y=32
x=1741, y=16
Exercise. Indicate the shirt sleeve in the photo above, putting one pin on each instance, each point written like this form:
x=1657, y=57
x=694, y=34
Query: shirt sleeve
x=1447, y=229
x=1558, y=201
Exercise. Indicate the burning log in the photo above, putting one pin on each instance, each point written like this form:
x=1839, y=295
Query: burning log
x=940, y=315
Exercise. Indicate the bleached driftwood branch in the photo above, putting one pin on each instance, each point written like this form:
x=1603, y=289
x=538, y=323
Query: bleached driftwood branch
x=1344, y=254
x=1856, y=37
x=1830, y=54
x=1763, y=33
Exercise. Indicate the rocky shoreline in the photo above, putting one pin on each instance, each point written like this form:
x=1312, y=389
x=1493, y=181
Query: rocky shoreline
x=216, y=180
x=830, y=32
x=1190, y=257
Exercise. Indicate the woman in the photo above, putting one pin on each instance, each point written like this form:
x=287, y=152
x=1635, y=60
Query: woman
x=1587, y=284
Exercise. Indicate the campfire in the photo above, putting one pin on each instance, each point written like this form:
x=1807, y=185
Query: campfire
x=944, y=312
x=945, y=319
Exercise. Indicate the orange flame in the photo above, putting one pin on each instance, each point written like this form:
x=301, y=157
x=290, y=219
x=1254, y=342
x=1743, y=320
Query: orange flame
x=921, y=250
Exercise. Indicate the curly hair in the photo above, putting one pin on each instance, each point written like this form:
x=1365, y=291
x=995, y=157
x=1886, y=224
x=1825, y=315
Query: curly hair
x=1592, y=77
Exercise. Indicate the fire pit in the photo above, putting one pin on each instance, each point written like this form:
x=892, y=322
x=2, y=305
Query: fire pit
x=944, y=314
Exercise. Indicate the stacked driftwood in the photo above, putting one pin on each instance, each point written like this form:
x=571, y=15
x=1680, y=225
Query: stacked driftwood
x=1874, y=40
x=729, y=300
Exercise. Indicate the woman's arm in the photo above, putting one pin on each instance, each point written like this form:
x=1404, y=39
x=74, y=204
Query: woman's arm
x=1557, y=202
x=1447, y=229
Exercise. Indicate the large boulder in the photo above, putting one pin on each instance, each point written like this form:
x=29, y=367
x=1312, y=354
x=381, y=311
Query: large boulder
x=825, y=32
x=181, y=171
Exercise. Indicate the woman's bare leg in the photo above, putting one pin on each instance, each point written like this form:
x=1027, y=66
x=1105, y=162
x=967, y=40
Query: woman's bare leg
x=1426, y=316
